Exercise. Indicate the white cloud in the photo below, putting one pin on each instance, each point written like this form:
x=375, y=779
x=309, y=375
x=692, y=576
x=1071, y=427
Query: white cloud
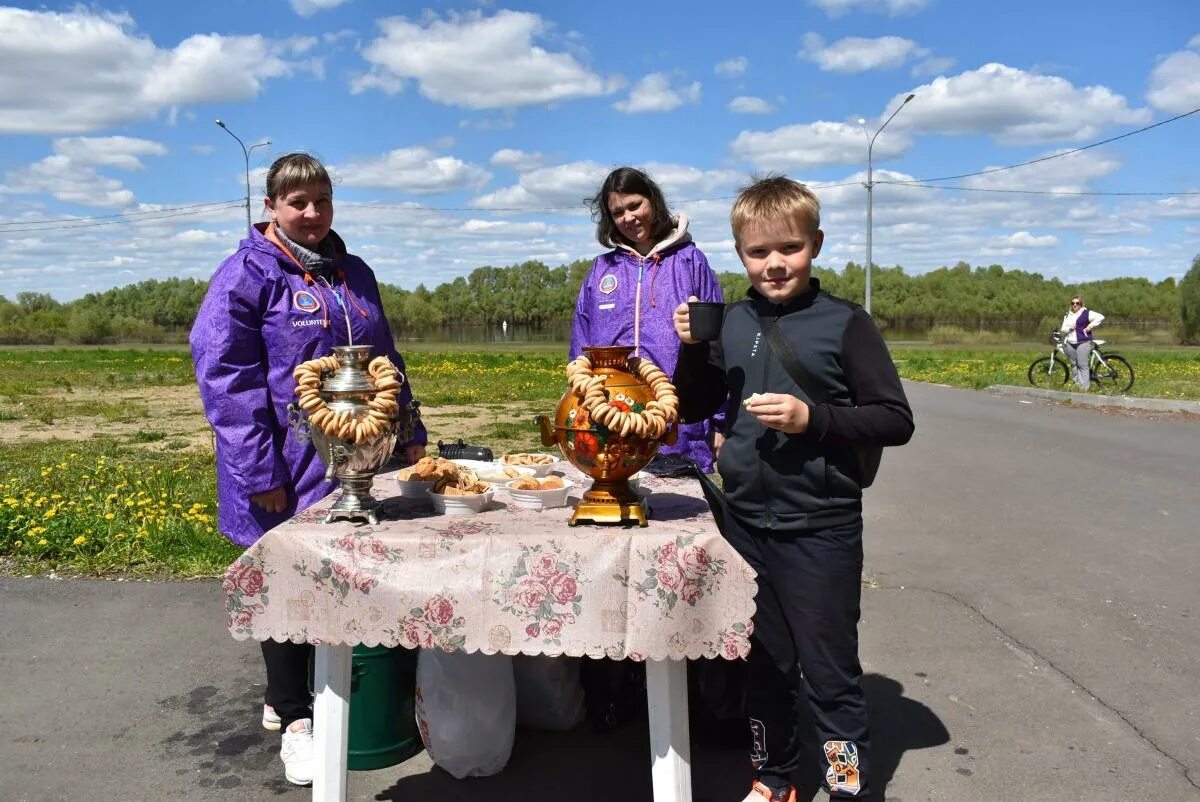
x=503, y=228
x=1175, y=82
x=197, y=236
x=1014, y=106
x=477, y=62
x=71, y=175
x=731, y=67
x=93, y=70
x=519, y=160
x=563, y=187
x=681, y=181
x=1070, y=173
x=836, y=8
x=58, y=176
x=306, y=8
x=1023, y=239
x=654, y=93
x=415, y=169
x=203, y=150
x=750, y=105
x=855, y=54
x=1122, y=252
x=109, y=151
x=812, y=145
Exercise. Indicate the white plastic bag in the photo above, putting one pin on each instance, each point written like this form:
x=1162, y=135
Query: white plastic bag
x=549, y=692
x=466, y=710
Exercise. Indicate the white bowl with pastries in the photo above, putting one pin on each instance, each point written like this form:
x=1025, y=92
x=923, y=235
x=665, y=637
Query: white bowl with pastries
x=451, y=500
x=416, y=480
x=495, y=472
x=541, y=464
x=532, y=493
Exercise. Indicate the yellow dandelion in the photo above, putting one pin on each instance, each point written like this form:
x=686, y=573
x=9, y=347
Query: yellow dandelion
x=79, y=541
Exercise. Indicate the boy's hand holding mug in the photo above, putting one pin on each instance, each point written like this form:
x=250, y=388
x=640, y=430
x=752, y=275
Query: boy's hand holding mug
x=683, y=322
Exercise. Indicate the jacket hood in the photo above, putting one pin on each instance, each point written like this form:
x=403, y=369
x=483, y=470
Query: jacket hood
x=263, y=239
x=678, y=237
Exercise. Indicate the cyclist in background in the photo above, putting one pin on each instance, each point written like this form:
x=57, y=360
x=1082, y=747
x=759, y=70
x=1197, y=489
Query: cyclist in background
x=1078, y=324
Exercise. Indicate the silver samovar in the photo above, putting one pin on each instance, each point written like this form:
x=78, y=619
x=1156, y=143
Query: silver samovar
x=353, y=464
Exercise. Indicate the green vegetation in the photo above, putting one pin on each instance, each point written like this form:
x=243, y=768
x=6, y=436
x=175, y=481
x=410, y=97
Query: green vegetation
x=980, y=299
x=142, y=500
x=1189, y=305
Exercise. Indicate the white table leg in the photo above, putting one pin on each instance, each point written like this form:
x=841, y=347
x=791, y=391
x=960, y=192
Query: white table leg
x=331, y=722
x=670, y=749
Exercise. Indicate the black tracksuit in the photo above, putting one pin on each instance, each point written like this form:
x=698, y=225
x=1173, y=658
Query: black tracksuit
x=796, y=515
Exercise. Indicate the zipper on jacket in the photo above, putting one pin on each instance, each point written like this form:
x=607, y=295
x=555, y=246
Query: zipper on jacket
x=768, y=518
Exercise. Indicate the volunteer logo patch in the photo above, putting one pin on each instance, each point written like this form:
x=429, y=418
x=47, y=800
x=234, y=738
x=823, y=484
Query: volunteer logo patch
x=608, y=284
x=305, y=301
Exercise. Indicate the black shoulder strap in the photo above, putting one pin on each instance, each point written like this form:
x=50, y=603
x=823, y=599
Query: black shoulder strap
x=794, y=367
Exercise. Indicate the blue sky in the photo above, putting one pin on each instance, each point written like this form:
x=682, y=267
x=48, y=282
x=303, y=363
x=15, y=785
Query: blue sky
x=467, y=134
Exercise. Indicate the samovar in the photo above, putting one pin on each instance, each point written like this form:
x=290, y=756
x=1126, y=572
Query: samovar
x=602, y=453
x=354, y=461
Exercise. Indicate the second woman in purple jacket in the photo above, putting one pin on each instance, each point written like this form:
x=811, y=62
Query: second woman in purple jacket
x=630, y=294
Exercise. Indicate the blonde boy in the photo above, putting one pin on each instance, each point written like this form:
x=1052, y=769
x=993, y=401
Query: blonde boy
x=794, y=483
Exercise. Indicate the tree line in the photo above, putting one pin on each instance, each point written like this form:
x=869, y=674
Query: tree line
x=536, y=295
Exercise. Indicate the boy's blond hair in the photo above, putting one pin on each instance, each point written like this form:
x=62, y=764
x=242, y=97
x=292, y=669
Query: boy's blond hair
x=771, y=197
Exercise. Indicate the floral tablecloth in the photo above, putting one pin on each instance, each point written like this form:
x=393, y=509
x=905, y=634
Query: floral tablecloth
x=506, y=580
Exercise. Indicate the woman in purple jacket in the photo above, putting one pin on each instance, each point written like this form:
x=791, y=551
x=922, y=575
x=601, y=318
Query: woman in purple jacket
x=630, y=294
x=289, y=294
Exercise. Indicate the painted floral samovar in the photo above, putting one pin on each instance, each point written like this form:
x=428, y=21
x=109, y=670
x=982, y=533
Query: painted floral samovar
x=609, y=424
x=347, y=405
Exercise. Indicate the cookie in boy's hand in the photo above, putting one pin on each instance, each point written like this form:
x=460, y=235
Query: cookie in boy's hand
x=753, y=399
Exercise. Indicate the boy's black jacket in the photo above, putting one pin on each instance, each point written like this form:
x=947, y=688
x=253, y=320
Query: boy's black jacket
x=796, y=481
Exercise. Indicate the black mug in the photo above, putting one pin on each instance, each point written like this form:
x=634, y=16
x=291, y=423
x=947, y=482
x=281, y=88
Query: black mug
x=705, y=319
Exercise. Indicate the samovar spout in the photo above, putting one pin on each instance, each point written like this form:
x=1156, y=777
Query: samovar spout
x=546, y=427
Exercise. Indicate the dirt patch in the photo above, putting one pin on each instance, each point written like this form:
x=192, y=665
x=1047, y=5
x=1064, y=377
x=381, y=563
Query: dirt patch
x=174, y=420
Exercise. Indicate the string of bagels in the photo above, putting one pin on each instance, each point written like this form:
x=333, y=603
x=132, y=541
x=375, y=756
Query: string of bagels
x=382, y=408
x=651, y=422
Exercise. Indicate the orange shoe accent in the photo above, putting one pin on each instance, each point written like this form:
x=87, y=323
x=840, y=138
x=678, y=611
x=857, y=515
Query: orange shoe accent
x=761, y=793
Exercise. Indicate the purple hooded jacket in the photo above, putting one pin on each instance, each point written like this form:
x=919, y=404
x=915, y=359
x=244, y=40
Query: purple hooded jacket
x=609, y=303
x=260, y=318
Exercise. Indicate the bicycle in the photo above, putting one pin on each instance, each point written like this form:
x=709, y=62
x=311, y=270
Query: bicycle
x=1111, y=372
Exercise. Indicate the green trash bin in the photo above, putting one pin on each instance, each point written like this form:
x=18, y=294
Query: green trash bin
x=383, y=728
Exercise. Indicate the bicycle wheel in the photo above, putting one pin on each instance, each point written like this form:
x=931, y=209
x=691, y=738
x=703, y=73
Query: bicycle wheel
x=1116, y=378
x=1049, y=373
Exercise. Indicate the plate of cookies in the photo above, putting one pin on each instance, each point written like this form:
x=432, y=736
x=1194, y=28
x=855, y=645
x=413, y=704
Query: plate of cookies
x=533, y=493
x=539, y=463
x=418, y=479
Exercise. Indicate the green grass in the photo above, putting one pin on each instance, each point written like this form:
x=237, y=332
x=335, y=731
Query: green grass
x=1159, y=372
x=110, y=508
x=142, y=503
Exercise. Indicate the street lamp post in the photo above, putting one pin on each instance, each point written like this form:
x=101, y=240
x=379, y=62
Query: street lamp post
x=870, y=185
x=246, y=155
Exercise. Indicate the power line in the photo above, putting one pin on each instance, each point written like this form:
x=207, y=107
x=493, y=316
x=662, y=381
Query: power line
x=121, y=215
x=235, y=204
x=1067, y=193
x=1052, y=156
x=531, y=209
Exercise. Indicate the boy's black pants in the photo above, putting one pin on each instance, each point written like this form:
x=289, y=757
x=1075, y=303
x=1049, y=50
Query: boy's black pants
x=287, y=679
x=804, y=650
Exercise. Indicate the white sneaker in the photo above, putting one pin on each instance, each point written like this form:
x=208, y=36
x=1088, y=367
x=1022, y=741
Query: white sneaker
x=297, y=752
x=270, y=719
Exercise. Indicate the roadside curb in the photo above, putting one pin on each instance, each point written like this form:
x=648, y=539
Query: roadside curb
x=1092, y=400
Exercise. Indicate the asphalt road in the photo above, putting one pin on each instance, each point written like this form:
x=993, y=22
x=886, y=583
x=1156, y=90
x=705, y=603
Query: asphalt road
x=1029, y=635
x=1073, y=531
